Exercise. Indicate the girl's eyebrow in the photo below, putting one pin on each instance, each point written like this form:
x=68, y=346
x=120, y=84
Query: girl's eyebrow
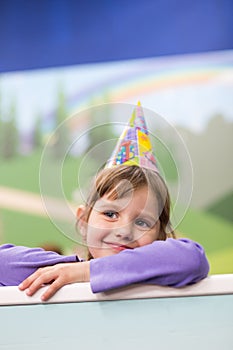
x=118, y=204
x=105, y=204
x=148, y=216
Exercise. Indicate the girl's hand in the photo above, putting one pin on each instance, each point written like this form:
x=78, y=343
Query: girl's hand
x=58, y=275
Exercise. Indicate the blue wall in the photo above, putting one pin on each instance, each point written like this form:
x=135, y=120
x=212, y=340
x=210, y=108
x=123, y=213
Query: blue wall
x=46, y=33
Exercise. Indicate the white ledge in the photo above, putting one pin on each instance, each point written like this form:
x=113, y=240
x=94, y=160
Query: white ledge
x=81, y=292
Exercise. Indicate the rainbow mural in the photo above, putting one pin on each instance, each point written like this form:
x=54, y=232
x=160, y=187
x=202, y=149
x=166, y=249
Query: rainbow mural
x=149, y=78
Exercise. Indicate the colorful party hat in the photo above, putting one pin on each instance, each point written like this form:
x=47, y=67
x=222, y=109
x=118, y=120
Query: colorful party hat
x=134, y=146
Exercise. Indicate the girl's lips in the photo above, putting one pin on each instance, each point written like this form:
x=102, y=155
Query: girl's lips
x=118, y=247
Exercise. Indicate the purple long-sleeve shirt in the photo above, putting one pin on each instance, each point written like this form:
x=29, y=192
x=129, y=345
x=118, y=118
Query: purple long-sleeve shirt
x=174, y=262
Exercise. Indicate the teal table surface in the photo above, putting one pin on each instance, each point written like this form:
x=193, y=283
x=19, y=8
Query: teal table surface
x=200, y=322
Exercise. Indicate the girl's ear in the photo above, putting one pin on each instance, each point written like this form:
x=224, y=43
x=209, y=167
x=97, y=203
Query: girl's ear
x=81, y=223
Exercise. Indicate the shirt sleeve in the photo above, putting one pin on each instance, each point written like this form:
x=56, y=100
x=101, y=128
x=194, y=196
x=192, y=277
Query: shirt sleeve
x=174, y=262
x=17, y=262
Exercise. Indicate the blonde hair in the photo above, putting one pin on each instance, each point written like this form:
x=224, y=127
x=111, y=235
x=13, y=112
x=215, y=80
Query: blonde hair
x=120, y=181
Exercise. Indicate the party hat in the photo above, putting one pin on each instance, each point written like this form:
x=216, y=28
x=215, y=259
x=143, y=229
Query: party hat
x=134, y=146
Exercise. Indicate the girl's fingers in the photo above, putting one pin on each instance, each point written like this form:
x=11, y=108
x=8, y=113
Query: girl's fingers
x=29, y=280
x=58, y=276
x=42, y=276
x=46, y=277
x=52, y=289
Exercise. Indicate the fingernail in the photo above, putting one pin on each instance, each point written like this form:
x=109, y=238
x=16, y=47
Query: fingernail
x=28, y=292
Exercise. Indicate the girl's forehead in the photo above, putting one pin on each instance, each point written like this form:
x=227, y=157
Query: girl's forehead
x=143, y=197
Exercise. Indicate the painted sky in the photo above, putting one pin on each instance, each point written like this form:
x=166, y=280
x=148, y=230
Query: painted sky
x=186, y=90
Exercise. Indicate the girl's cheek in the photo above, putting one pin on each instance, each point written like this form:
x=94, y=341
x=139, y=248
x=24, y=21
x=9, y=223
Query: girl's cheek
x=98, y=233
x=146, y=238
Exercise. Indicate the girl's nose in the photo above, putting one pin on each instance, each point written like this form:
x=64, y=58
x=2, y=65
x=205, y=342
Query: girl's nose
x=124, y=232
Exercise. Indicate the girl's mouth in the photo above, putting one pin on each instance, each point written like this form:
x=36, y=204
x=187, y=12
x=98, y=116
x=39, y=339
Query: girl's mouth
x=117, y=247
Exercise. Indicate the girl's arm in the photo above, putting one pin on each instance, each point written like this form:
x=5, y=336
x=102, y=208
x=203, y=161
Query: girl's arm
x=174, y=262
x=17, y=263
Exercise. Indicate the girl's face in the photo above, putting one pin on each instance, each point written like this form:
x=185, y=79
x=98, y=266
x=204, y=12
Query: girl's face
x=124, y=223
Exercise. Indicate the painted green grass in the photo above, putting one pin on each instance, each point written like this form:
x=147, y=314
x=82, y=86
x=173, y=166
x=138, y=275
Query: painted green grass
x=29, y=230
x=214, y=234
x=23, y=173
x=223, y=207
x=222, y=261
x=212, y=231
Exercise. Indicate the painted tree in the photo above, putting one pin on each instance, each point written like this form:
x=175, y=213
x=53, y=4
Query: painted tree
x=61, y=133
x=9, y=134
x=37, y=132
x=101, y=130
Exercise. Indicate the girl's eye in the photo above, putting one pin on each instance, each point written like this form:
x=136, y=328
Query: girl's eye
x=111, y=214
x=142, y=223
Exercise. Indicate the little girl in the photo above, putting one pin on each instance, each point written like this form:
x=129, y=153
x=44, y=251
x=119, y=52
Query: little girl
x=126, y=226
